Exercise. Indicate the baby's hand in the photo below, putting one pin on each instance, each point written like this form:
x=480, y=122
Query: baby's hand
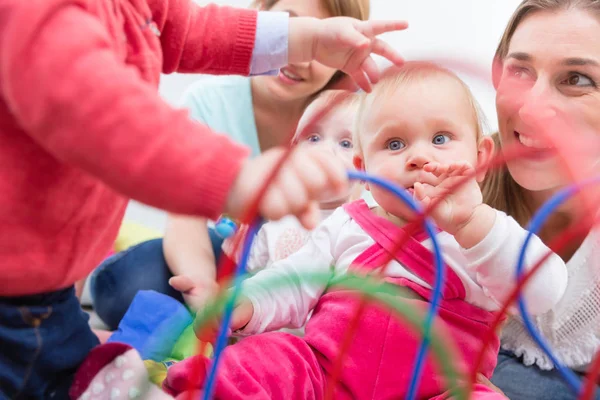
x=241, y=316
x=345, y=44
x=455, y=208
x=196, y=291
x=459, y=210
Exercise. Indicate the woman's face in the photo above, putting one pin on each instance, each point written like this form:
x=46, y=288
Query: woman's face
x=299, y=81
x=548, y=85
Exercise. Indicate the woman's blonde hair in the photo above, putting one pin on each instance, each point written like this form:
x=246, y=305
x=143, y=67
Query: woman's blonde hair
x=503, y=193
x=358, y=9
x=528, y=7
x=500, y=190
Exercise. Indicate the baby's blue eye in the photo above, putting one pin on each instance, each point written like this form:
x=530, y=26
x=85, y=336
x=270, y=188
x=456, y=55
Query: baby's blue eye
x=395, y=145
x=346, y=144
x=314, y=138
x=441, y=139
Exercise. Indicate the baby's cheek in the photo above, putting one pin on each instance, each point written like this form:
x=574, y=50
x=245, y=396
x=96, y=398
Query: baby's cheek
x=391, y=203
x=384, y=169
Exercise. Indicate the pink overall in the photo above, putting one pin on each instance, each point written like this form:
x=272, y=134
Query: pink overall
x=380, y=361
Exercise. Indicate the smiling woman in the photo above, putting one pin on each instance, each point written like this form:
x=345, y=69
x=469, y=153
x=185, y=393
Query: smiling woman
x=546, y=73
x=260, y=112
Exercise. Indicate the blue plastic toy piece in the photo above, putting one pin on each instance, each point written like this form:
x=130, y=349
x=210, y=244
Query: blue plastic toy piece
x=225, y=227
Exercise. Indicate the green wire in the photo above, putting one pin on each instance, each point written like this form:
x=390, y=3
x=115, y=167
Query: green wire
x=388, y=294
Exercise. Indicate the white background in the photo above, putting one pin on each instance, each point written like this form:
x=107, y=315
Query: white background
x=463, y=30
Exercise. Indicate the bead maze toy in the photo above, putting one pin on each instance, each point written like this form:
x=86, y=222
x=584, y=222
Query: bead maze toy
x=371, y=289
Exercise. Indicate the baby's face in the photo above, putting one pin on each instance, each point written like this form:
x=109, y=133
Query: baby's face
x=430, y=120
x=332, y=133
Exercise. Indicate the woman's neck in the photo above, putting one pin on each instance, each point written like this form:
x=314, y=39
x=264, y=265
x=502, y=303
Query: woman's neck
x=275, y=119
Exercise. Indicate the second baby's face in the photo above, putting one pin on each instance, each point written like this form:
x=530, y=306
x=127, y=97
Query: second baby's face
x=332, y=134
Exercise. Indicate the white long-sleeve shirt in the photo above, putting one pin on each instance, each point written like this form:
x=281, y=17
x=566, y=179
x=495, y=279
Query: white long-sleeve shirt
x=284, y=295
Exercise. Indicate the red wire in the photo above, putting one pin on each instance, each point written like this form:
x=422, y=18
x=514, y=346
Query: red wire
x=250, y=216
x=507, y=154
x=498, y=160
x=590, y=386
x=353, y=326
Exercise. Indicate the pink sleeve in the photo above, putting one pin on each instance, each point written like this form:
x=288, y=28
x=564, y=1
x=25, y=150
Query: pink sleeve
x=211, y=39
x=67, y=89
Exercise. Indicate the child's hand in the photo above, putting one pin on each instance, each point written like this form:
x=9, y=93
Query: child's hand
x=241, y=316
x=461, y=212
x=196, y=291
x=345, y=44
x=306, y=177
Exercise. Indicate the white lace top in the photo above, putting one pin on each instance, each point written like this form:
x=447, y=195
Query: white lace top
x=572, y=328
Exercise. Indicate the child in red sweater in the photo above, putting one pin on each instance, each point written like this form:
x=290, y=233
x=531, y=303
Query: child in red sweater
x=82, y=130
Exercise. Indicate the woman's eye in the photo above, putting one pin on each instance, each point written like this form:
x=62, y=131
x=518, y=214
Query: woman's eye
x=577, y=79
x=346, y=144
x=313, y=138
x=517, y=72
x=395, y=145
x=441, y=139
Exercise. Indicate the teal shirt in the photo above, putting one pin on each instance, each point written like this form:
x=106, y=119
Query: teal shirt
x=224, y=103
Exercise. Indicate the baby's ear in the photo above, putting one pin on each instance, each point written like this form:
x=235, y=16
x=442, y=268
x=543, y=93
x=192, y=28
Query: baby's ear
x=485, y=153
x=360, y=166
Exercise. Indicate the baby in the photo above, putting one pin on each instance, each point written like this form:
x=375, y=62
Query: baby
x=332, y=133
x=420, y=129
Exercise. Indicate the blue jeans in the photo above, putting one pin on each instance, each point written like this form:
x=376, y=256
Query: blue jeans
x=43, y=340
x=117, y=280
x=519, y=382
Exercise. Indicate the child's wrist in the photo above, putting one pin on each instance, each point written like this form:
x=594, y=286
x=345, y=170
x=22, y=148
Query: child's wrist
x=243, y=312
x=476, y=228
x=303, y=37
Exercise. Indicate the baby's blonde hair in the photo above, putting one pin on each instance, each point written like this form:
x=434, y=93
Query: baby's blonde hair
x=394, y=79
x=324, y=103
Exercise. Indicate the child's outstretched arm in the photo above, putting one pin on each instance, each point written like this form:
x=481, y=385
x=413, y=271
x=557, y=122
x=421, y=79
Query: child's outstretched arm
x=221, y=40
x=209, y=39
x=69, y=91
x=491, y=240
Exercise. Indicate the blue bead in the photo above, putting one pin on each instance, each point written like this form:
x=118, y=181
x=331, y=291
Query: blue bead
x=225, y=227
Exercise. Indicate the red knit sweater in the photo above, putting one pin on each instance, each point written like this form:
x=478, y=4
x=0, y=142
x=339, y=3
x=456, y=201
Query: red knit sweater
x=82, y=128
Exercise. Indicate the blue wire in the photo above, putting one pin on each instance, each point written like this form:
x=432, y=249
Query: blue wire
x=440, y=275
x=437, y=288
x=534, y=226
x=223, y=333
